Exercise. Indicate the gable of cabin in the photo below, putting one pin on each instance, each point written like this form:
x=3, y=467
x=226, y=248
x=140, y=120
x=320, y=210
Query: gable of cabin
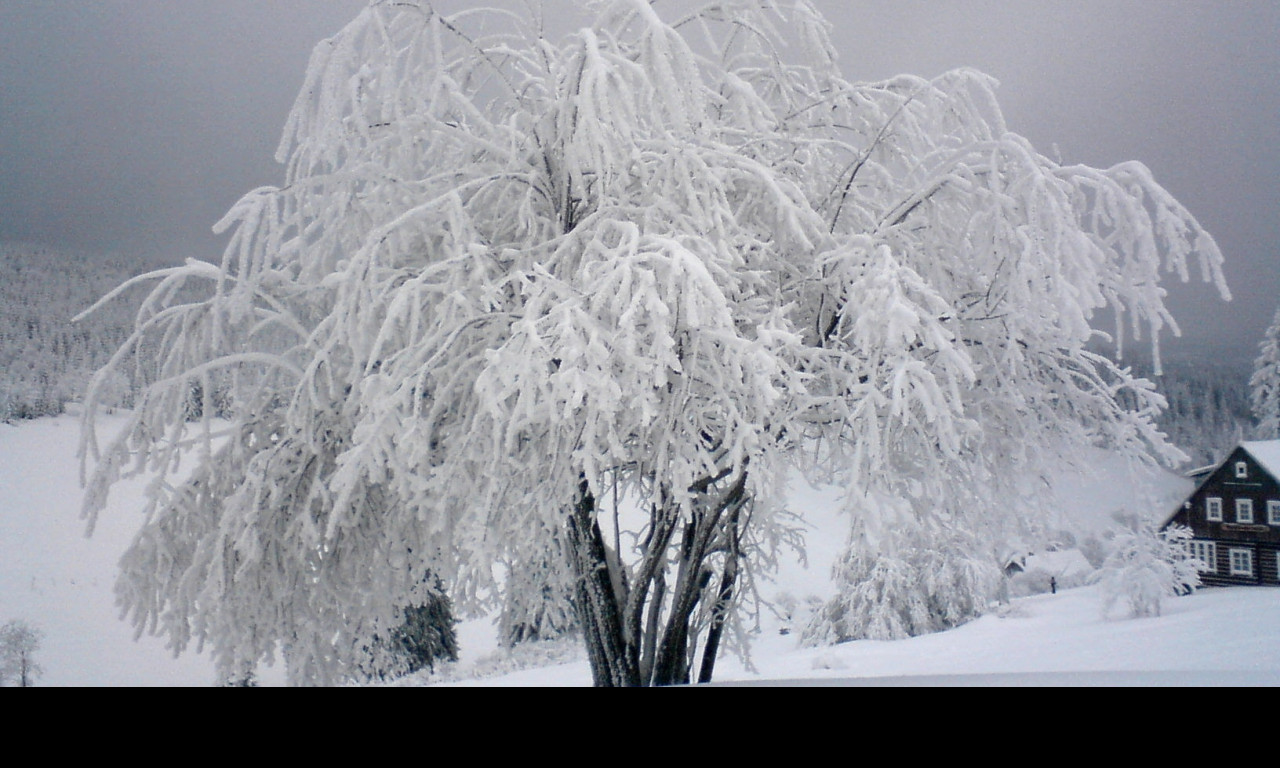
x=1234, y=517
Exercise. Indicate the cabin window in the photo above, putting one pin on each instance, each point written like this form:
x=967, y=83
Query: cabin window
x=1241, y=562
x=1206, y=552
x=1213, y=509
x=1244, y=510
x=1242, y=470
x=1273, y=512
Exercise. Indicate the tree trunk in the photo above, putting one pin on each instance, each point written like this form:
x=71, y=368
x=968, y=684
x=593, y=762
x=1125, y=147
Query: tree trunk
x=672, y=664
x=649, y=639
x=724, y=599
x=629, y=641
x=614, y=662
x=700, y=538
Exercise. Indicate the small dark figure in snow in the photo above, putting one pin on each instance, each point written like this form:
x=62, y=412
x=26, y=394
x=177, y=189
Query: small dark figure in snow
x=1053, y=585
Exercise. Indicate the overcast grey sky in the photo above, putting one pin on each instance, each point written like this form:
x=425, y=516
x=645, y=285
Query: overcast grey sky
x=132, y=125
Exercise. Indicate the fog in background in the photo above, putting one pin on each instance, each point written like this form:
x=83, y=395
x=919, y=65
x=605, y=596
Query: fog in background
x=133, y=125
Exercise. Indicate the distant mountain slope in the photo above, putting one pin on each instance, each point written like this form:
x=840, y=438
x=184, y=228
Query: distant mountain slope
x=1207, y=389
x=1208, y=407
x=45, y=359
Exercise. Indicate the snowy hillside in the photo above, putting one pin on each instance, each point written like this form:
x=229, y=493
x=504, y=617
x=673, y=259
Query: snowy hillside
x=1216, y=637
x=55, y=578
x=46, y=360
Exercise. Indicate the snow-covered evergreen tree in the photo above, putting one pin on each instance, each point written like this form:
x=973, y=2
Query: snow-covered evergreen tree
x=603, y=292
x=1264, y=385
x=899, y=581
x=537, y=593
x=1145, y=566
x=424, y=638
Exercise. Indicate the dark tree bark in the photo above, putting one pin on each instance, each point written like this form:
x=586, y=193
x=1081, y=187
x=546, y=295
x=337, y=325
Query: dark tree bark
x=613, y=661
x=724, y=600
x=638, y=631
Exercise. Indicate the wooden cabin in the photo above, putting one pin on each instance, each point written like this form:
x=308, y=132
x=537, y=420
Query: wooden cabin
x=1234, y=517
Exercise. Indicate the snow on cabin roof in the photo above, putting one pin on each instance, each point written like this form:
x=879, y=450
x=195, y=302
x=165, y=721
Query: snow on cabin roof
x=1066, y=562
x=1267, y=453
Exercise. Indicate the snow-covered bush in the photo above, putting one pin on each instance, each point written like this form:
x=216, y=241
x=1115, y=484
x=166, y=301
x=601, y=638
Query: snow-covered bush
x=794, y=612
x=1095, y=550
x=1145, y=567
x=537, y=591
x=905, y=582
x=1052, y=570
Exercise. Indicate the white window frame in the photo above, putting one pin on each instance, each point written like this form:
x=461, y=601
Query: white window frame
x=1242, y=470
x=1206, y=552
x=1273, y=511
x=1213, y=509
x=1244, y=510
x=1241, y=560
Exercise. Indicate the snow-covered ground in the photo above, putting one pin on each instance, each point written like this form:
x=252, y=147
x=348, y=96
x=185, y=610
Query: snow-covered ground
x=1215, y=637
x=57, y=580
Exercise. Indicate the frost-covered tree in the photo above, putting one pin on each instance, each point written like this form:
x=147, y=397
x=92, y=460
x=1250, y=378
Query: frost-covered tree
x=596, y=295
x=1145, y=566
x=19, y=642
x=900, y=580
x=1264, y=385
x=537, y=594
x=424, y=638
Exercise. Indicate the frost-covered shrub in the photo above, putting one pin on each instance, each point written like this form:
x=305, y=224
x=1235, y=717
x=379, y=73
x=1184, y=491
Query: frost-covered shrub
x=1095, y=549
x=1036, y=581
x=795, y=612
x=538, y=594
x=426, y=637
x=905, y=585
x=1145, y=567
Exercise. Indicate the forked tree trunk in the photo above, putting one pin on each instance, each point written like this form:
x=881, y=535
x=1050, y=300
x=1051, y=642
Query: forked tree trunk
x=642, y=636
x=672, y=664
x=724, y=599
x=614, y=662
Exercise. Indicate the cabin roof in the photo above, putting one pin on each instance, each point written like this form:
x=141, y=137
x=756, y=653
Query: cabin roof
x=1266, y=453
